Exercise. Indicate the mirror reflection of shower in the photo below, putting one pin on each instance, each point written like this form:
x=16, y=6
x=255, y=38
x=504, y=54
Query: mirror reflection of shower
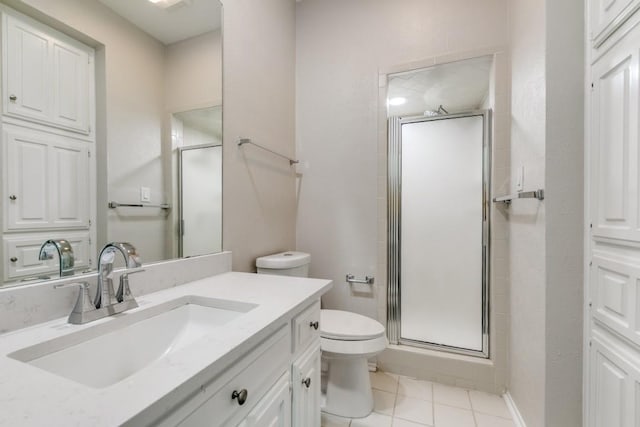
x=438, y=218
x=197, y=138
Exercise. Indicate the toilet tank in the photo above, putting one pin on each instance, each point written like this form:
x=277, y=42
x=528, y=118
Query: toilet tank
x=288, y=263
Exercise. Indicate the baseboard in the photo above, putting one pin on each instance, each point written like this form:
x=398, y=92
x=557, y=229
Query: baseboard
x=515, y=413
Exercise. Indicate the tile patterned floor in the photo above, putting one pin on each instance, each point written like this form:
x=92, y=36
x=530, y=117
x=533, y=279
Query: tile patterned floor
x=406, y=402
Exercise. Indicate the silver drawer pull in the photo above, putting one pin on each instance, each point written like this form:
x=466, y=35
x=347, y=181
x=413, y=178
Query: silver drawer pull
x=241, y=396
x=13, y=98
x=13, y=197
x=315, y=325
x=13, y=259
x=307, y=382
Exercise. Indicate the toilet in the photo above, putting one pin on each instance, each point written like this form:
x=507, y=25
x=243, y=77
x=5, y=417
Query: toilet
x=347, y=340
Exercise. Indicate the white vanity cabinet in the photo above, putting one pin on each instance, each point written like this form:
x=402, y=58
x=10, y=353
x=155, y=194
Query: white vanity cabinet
x=46, y=75
x=275, y=384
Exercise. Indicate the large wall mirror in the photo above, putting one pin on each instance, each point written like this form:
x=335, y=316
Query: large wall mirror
x=111, y=131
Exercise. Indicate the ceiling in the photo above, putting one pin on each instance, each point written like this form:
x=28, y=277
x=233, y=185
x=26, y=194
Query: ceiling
x=188, y=19
x=207, y=120
x=457, y=86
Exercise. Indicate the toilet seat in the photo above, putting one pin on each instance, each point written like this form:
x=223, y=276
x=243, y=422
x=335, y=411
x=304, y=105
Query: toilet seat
x=346, y=334
x=348, y=326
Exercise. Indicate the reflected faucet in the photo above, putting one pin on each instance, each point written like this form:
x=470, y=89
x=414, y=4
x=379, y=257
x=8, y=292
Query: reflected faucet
x=105, y=296
x=65, y=254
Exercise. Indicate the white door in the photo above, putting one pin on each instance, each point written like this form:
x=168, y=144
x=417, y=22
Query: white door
x=306, y=388
x=201, y=200
x=441, y=232
x=274, y=409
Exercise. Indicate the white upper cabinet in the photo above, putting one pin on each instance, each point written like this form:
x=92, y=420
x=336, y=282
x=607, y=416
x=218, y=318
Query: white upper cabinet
x=47, y=185
x=47, y=76
x=607, y=15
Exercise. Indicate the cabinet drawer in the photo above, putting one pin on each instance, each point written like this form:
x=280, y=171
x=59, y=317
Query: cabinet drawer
x=21, y=254
x=256, y=373
x=306, y=327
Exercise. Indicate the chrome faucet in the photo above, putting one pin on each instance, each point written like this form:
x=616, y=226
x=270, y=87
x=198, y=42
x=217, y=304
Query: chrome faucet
x=106, y=302
x=65, y=254
x=104, y=294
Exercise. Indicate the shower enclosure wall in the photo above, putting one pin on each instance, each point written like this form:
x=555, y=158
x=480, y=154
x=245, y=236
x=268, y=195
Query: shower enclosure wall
x=438, y=251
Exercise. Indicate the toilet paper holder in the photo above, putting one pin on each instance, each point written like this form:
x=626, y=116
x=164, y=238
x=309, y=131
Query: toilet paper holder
x=367, y=280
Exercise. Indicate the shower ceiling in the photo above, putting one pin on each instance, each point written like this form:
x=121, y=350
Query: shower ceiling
x=457, y=86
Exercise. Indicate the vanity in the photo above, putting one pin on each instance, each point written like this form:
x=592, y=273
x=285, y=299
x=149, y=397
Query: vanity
x=232, y=349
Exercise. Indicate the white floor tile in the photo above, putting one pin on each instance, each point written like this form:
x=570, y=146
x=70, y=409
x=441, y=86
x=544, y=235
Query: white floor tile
x=328, y=420
x=399, y=422
x=452, y=396
x=416, y=410
x=373, y=420
x=383, y=402
x=418, y=389
x=384, y=381
x=449, y=416
x=484, y=420
x=491, y=404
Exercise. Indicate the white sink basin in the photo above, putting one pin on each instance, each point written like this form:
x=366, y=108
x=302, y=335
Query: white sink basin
x=107, y=353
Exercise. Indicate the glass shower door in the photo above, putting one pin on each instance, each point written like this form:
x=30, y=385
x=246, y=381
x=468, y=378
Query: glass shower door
x=441, y=248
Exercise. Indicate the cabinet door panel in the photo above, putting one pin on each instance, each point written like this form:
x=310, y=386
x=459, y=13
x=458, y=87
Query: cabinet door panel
x=306, y=388
x=27, y=182
x=274, y=410
x=614, y=132
x=607, y=15
x=27, y=70
x=615, y=382
x=71, y=87
x=69, y=184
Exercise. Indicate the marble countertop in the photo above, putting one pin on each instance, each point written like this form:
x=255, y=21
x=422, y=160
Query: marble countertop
x=30, y=396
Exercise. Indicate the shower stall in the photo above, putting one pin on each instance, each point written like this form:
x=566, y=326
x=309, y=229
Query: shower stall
x=438, y=232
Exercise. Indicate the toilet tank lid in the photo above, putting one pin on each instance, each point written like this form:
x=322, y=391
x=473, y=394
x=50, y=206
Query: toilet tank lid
x=289, y=259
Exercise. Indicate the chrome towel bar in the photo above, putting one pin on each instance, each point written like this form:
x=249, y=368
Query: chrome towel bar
x=534, y=194
x=113, y=205
x=243, y=141
x=367, y=280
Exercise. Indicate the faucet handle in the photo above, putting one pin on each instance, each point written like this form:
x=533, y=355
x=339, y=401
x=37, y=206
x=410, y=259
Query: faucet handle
x=124, y=292
x=83, y=303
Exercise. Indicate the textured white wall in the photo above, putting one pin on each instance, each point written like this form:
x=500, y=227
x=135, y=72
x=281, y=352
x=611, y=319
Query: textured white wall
x=341, y=47
x=564, y=176
x=259, y=103
x=527, y=348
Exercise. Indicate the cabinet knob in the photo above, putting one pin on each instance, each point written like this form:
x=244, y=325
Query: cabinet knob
x=315, y=325
x=307, y=382
x=13, y=98
x=13, y=197
x=13, y=259
x=241, y=396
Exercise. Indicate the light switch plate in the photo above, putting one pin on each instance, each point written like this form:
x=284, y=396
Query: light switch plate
x=520, y=179
x=145, y=194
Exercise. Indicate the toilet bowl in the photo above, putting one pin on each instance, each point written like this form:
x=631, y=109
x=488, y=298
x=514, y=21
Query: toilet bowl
x=347, y=340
